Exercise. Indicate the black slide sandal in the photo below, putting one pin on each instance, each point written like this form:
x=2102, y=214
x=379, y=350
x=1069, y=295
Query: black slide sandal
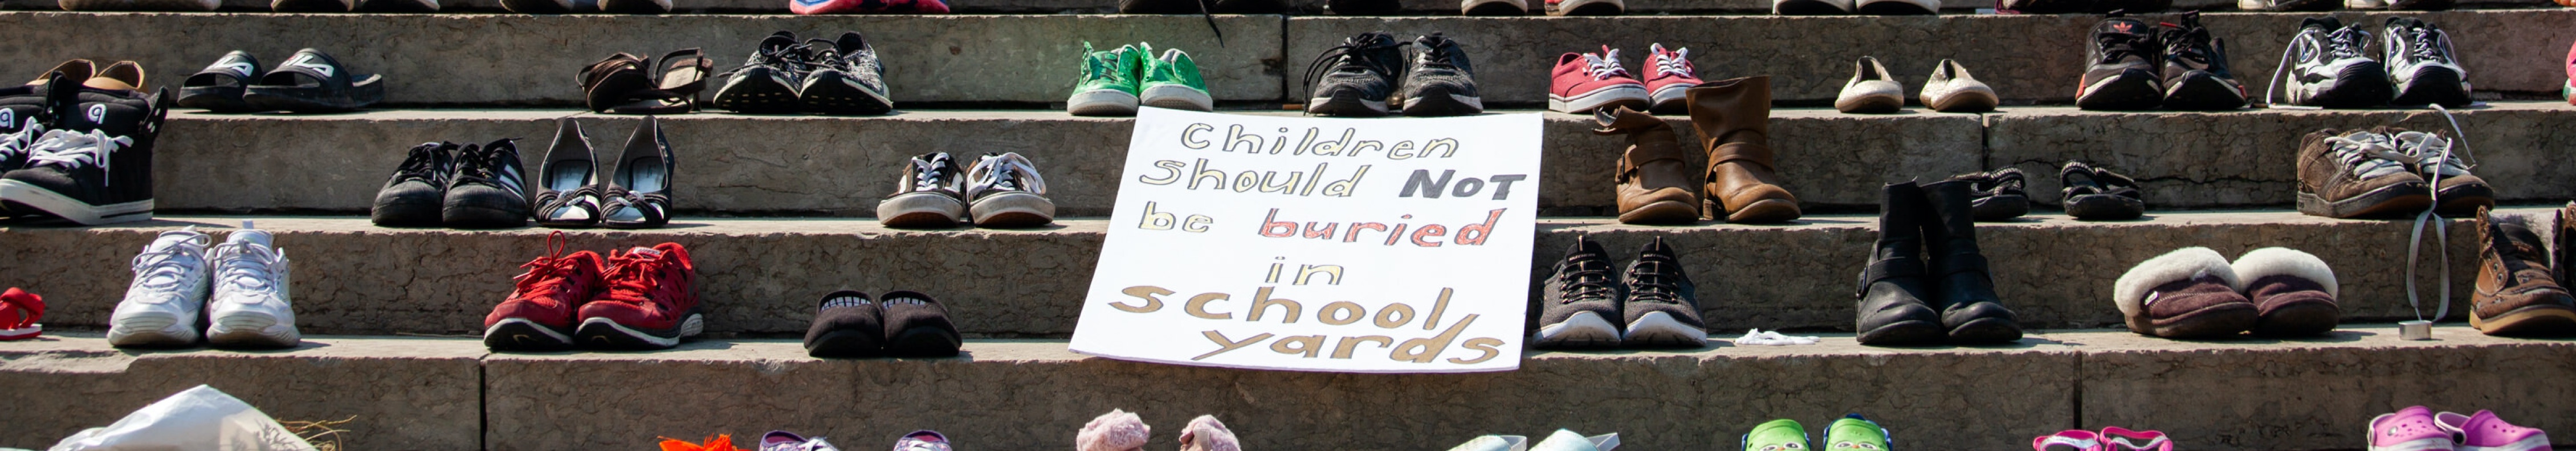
x=218, y=87
x=313, y=82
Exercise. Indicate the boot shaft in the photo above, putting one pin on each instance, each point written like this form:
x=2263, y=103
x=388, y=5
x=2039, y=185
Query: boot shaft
x=1733, y=118
x=1901, y=216
x=1949, y=222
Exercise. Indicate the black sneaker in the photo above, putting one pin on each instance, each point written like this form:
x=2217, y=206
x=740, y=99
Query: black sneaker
x=930, y=195
x=1578, y=300
x=767, y=82
x=412, y=196
x=489, y=190
x=2419, y=59
x=1662, y=307
x=1440, y=82
x=2195, y=69
x=1355, y=78
x=2330, y=68
x=95, y=166
x=848, y=79
x=2121, y=67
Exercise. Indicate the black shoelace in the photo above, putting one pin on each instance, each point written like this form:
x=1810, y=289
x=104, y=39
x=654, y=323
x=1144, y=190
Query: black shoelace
x=2346, y=42
x=1438, y=51
x=1584, y=278
x=2429, y=44
x=1356, y=53
x=1650, y=280
x=2116, y=46
x=426, y=164
x=791, y=58
x=479, y=163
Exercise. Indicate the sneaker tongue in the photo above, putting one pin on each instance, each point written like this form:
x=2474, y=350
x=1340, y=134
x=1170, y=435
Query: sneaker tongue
x=2121, y=26
x=259, y=237
x=168, y=240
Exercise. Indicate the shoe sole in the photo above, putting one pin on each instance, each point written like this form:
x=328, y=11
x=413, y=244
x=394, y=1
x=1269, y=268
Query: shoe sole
x=1998, y=208
x=2202, y=93
x=634, y=6
x=921, y=210
x=23, y=198
x=2541, y=320
x=405, y=214
x=1904, y=333
x=2464, y=200
x=1673, y=99
x=152, y=330
x=1965, y=102
x=312, y=6
x=1659, y=329
x=137, y=5
x=834, y=97
x=520, y=334
x=1807, y=8
x=249, y=330
x=846, y=344
x=607, y=333
x=1013, y=210
x=2430, y=444
x=536, y=6
x=1104, y=102
x=1590, y=8
x=1766, y=211
x=2298, y=5
x=2533, y=443
x=2129, y=91
x=1665, y=212
x=2299, y=320
x=2387, y=201
x=2432, y=87
x=2359, y=86
x=2098, y=207
x=1177, y=97
x=1893, y=8
x=472, y=217
x=22, y=333
x=1443, y=103
x=1582, y=330
x=312, y=99
x=1490, y=9
x=217, y=99
x=1986, y=331
x=2221, y=320
x=923, y=342
x=1345, y=104
x=1870, y=104
x=1633, y=97
x=756, y=95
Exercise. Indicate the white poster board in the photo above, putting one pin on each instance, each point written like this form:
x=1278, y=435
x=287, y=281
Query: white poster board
x=1387, y=245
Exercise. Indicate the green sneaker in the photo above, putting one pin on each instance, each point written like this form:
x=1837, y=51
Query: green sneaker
x=1108, y=86
x=1777, y=435
x=1172, y=81
x=1853, y=433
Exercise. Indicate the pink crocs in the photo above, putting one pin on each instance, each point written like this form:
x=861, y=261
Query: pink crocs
x=2410, y=429
x=2484, y=432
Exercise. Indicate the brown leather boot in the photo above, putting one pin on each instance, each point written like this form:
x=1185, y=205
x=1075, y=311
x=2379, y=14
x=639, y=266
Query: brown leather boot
x=1733, y=118
x=2516, y=294
x=1654, y=185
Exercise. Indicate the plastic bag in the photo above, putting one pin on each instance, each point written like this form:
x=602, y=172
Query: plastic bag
x=197, y=419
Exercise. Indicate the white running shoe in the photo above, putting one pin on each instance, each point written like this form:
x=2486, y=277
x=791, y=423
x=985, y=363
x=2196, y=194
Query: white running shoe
x=250, y=308
x=168, y=296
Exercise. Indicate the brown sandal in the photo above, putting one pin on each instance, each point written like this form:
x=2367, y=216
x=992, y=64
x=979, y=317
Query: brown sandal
x=620, y=85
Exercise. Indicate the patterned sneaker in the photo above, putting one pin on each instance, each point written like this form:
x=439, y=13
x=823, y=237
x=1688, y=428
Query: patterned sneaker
x=847, y=80
x=2483, y=432
x=163, y=306
x=1856, y=433
x=1777, y=435
x=1172, y=81
x=1672, y=76
x=1109, y=82
x=251, y=307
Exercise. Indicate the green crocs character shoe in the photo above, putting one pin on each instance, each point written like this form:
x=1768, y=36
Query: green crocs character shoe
x=1854, y=433
x=1172, y=81
x=1777, y=435
x=1108, y=86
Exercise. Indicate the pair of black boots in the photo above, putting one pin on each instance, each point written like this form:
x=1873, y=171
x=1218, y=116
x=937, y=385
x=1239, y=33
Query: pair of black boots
x=1909, y=296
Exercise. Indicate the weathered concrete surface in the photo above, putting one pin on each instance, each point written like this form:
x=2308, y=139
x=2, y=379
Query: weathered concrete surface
x=761, y=276
x=1655, y=400
x=2250, y=158
x=2040, y=59
x=2318, y=394
x=405, y=393
x=456, y=59
x=231, y=162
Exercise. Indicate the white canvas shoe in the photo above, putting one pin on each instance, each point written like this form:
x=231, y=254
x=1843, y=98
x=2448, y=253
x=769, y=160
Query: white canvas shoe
x=250, y=307
x=168, y=295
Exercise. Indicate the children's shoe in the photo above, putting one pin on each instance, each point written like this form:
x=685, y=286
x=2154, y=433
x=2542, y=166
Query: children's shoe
x=1117, y=430
x=1856, y=433
x=1672, y=75
x=1204, y=433
x=2116, y=438
x=1586, y=81
x=1172, y=81
x=1109, y=82
x=19, y=311
x=848, y=324
x=789, y=441
x=917, y=326
x=1566, y=440
x=2409, y=429
x=2069, y=440
x=927, y=440
x=1776, y=435
x=2484, y=432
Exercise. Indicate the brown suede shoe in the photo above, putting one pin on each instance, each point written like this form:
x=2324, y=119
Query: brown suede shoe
x=1733, y=118
x=2516, y=294
x=1655, y=186
x=2442, y=161
x=2188, y=293
x=2293, y=291
x=2356, y=174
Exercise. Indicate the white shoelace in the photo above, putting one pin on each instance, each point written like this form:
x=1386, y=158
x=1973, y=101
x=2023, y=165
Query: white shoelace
x=1602, y=67
x=925, y=173
x=1674, y=63
x=2370, y=155
x=2341, y=35
x=164, y=268
x=249, y=266
x=72, y=150
x=18, y=143
x=2421, y=46
x=1008, y=171
x=2441, y=228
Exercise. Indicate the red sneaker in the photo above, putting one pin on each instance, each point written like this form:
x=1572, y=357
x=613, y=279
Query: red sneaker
x=813, y=7
x=651, y=302
x=1672, y=75
x=19, y=311
x=1584, y=82
x=538, y=316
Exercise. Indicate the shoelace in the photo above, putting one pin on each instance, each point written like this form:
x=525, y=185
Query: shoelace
x=1673, y=64
x=479, y=163
x=248, y=266
x=1605, y=65
x=2341, y=43
x=926, y=175
x=1009, y=171
x=2441, y=228
x=1355, y=53
x=787, y=57
x=1585, y=279
x=1437, y=52
x=2429, y=44
x=2116, y=46
x=73, y=150
x=18, y=144
x=162, y=269
x=1095, y=65
x=2193, y=45
x=632, y=276
x=1653, y=282
x=548, y=273
x=422, y=165
x=2369, y=155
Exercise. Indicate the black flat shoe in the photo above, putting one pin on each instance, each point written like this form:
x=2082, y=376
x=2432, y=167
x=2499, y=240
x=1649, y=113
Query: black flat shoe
x=638, y=195
x=218, y=87
x=568, y=181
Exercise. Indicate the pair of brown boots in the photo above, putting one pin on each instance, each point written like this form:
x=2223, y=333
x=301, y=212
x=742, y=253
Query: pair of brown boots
x=1742, y=185
x=2518, y=291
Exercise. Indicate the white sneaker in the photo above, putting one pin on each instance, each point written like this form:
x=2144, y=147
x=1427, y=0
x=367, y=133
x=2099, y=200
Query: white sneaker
x=168, y=296
x=250, y=306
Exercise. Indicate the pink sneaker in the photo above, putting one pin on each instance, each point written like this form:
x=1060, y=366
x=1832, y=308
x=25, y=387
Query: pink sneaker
x=2068, y=440
x=817, y=7
x=2483, y=432
x=1672, y=76
x=2410, y=429
x=2116, y=438
x=1584, y=82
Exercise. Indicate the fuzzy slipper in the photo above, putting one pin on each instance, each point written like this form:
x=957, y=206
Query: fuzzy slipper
x=2188, y=293
x=2293, y=291
x=1117, y=430
x=1206, y=434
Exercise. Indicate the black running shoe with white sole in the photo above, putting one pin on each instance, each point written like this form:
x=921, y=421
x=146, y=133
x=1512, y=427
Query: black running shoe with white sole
x=847, y=80
x=96, y=166
x=2330, y=68
x=767, y=82
x=2120, y=71
x=932, y=194
x=1439, y=82
x=2420, y=61
x=1577, y=301
x=1662, y=306
x=489, y=190
x=2195, y=69
x=411, y=198
x=1356, y=77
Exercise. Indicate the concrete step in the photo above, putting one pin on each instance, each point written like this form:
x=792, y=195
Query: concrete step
x=762, y=165
x=761, y=277
x=418, y=393
x=510, y=59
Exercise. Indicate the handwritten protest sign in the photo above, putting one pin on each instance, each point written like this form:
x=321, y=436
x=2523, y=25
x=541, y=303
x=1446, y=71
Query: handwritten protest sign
x=1317, y=244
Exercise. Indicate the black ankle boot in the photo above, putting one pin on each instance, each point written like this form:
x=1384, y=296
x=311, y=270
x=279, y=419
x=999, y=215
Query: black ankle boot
x=1893, y=307
x=1963, y=289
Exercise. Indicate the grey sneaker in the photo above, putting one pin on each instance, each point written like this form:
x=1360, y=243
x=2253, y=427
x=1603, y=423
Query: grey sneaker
x=1577, y=301
x=1662, y=306
x=1440, y=81
x=1355, y=78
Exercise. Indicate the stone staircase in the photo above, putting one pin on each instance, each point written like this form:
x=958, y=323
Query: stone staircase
x=776, y=210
